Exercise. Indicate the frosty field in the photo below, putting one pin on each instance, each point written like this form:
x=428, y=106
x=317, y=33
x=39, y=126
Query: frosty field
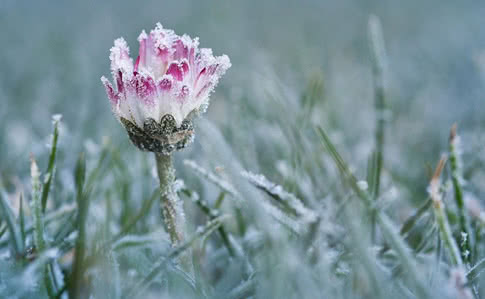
x=341, y=154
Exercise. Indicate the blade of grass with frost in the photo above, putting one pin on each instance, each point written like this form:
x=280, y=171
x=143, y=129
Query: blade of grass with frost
x=82, y=199
x=147, y=204
x=38, y=224
x=246, y=289
x=285, y=200
x=129, y=241
x=13, y=228
x=311, y=95
x=29, y=276
x=224, y=186
x=52, y=162
x=285, y=220
x=3, y=230
x=21, y=217
x=411, y=221
x=372, y=172
x=475, y=271
x=185, y=277
x=219, y=182
x=50, y=217
x=379, y=67
x=361, y=248
x=65, y=238
x=440, y=214
x=38, y=221
x=212, y=214
x=201, y=233
x=457, y=178
x=386, y=225
x=104, y=163
x=114, y=241
x=427, y=238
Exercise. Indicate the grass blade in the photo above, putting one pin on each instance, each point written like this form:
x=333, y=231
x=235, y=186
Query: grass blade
x=212, y=214
x=52, y=162
x=441, y=217
x=379, y=67
x=22, y=219
x=219, y=182
x=457, y=179
x=286, y=201
x=38, y=224
x=38, y=221
x=385, y=224
x=476, y=270
x=14, y=230
x=82, y=200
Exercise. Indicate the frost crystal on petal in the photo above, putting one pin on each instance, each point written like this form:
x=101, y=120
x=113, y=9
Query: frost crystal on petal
x=170, y=76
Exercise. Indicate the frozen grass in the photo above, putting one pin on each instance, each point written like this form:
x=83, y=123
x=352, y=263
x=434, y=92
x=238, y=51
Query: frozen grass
x=301, y=183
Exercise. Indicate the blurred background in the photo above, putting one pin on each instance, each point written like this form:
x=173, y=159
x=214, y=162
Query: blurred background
x=54, y=53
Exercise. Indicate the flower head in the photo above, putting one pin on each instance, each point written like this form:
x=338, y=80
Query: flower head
x=169, y=82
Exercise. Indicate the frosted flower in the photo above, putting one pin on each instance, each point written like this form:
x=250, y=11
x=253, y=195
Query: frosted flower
x=170, y=82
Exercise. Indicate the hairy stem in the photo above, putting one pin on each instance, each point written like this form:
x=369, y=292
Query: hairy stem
x=171, y=206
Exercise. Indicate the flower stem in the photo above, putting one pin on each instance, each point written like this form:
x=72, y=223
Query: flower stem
x=172, y=209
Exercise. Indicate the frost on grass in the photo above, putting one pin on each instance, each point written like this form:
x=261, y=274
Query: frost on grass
x=211, y=177
x=287, y=201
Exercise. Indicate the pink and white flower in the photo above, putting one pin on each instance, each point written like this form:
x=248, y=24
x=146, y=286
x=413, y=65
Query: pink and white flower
x=170, y=77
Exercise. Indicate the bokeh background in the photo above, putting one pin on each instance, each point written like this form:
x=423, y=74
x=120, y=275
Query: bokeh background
x=54, y=52
x=283, y=53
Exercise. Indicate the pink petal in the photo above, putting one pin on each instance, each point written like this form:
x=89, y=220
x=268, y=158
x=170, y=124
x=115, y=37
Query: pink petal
x=184, y=93
x=143, y=49
x=181, y=50
x=137, y=62
x=205, y=88
x=165, y=84
x=120, y=57
x=119, y=81
x=176, y=71
x=201, y=74
x=113, y=97
x=185, y=67
x=144, y=87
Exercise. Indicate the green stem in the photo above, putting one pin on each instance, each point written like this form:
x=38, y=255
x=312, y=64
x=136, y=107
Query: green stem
x=171, y=206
